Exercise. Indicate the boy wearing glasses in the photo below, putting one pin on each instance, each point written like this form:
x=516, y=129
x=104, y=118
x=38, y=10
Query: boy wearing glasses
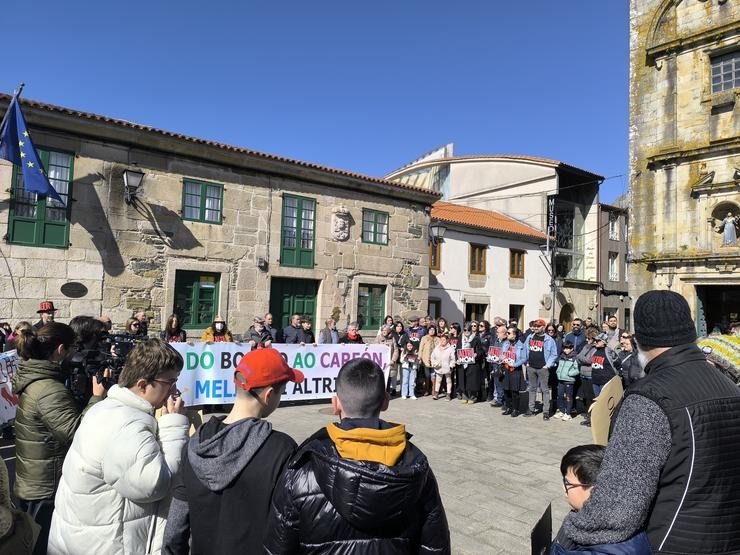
x=117, y=476
x=579, y=467
x=221, y=498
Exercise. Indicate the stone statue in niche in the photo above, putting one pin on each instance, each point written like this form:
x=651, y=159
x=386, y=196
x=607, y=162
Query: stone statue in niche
x=728, y=229
x=340, y=223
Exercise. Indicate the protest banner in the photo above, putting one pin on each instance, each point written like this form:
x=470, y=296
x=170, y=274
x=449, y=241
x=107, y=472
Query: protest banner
x=208, y=375
x=8, y=400
x=602, y=409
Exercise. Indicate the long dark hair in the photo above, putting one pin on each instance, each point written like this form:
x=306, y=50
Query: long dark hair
x=42, y=344
x=168, y=329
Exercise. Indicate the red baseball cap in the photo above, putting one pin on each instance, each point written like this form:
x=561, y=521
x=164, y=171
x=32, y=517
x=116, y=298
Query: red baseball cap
x=263, y=367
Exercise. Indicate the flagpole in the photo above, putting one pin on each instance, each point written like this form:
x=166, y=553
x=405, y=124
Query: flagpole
x=16, y=94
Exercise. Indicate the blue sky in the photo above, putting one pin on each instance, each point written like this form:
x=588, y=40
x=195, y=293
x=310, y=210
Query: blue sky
x=363, y=86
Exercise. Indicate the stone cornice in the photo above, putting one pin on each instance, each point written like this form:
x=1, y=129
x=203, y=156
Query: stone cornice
x=729, y=258
x=683, y=154
x=697, y=39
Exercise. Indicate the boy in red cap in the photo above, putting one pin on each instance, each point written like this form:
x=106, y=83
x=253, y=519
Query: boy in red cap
x=221, y=498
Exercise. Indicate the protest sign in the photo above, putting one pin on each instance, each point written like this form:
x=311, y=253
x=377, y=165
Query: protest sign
x=8, y=400
x=208, y=375
x=465, y=356
x=602, y=409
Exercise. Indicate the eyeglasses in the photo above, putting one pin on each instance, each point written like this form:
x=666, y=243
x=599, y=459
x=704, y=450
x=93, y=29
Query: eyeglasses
x=551, y=330
x=134, y=325
x=169, y=383
x=568, y=486
x=626, y=337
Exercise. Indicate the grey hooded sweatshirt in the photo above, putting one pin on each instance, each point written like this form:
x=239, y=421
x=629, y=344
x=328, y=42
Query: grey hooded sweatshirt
x=222, y=495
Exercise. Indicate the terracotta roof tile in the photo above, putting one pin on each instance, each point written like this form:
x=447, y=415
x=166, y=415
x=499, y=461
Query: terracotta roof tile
x=180, y=136
x=483, y=219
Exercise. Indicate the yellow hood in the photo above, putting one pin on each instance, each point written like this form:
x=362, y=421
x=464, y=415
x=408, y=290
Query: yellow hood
x=366, y=444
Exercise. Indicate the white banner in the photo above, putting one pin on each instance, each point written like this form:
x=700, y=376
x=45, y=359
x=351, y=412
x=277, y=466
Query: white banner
x=8, y=400
x=208, y=375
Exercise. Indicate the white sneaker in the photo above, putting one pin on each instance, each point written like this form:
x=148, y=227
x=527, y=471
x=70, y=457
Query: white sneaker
x=413, y=397
x=566, y=417
x=558, y=414
x=404, y=397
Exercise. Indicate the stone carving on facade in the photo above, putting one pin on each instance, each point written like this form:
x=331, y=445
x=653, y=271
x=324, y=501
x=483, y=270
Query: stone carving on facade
x=340, y=223
x=728, y=228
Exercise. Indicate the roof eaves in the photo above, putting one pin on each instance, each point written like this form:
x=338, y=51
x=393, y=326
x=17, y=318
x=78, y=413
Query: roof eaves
x=222, y=146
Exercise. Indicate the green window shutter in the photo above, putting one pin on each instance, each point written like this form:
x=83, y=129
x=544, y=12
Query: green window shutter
x=43, y=222
x=196, y=298
x=202, y=201
x=370, y=305
x=298, y=232
x=374, y=227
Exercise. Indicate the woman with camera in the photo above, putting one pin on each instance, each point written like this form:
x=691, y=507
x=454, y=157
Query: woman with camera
x=46, y=419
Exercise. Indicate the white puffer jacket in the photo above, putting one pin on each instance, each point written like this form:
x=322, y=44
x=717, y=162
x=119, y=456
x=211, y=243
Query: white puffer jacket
x=116, y=479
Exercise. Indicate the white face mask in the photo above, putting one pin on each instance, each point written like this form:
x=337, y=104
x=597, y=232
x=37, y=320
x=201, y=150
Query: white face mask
x=219, y=327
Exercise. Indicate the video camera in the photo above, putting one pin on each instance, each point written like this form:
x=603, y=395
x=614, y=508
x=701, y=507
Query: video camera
x=110, y=352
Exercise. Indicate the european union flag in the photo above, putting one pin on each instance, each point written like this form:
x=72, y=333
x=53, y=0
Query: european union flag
x=16, y=147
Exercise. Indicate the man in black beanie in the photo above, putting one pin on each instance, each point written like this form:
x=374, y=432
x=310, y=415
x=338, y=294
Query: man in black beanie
x=670, y=467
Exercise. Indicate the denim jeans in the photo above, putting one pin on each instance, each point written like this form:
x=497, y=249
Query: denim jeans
x=409, y=381
x=538, y=378
x=597, y=389
x=565, y=397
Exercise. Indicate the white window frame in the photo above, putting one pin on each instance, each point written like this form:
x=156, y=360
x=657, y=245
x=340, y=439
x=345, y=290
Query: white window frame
x=613, y=266
x=614, y=226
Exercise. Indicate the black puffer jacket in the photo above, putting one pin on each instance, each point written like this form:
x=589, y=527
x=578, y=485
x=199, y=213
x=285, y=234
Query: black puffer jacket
x=325, y=504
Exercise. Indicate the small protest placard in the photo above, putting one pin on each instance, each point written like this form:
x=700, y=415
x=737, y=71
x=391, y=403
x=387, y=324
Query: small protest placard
x=602, y=410
x=465, y=356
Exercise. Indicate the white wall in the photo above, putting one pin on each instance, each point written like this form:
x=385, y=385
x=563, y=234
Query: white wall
x=453, y=282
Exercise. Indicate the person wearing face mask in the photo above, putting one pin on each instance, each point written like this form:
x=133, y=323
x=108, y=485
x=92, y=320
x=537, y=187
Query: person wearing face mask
x=218, y=332
x=353, y=334
x=46, y=419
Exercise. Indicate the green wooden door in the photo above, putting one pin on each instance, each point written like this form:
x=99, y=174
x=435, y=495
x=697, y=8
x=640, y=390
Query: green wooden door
x=292, y=296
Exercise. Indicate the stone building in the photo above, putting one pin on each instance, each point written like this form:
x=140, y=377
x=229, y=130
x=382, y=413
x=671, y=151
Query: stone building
x=613, y=265
x=212, y=229
x=541, y=193
x=486, y=265
x=685, y=153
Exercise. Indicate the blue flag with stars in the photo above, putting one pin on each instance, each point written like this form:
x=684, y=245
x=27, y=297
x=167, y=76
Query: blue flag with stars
x=16, y=147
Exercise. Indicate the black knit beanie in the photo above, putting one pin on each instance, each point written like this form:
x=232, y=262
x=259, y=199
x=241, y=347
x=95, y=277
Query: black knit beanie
x=663, y=319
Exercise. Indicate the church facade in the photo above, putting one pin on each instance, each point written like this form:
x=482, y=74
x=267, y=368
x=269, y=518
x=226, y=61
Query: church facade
x=685, y=154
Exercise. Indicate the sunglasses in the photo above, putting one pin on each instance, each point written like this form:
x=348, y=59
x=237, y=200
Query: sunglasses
x=568, y=486
x=134, y=325
x=626, y=337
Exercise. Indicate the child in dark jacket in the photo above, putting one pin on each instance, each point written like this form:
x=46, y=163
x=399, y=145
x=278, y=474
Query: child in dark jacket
x=409, y=366
x=567, y=371
x=358, y=485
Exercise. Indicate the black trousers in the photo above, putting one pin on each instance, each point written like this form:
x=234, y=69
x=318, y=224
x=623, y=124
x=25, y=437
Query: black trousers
x=511, y=399
x=41, y=512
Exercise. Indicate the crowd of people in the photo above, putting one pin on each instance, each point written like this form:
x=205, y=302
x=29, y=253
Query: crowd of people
x=509, y=367
x=120, y=474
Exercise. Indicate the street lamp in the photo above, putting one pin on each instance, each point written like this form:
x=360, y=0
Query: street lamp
x=436, y=232
x=131, y=182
